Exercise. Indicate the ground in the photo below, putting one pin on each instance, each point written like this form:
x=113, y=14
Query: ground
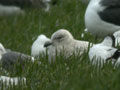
x=76, y=73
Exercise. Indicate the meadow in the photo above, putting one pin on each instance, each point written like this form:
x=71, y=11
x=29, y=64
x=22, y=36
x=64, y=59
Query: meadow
x=76, y=73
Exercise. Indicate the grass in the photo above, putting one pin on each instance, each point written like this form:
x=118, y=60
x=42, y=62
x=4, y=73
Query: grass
x=76, y=73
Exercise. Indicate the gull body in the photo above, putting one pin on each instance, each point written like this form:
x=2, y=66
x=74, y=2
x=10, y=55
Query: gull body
x=117, y=38
x=102, y=17
x=99, y=53
x=63, y=41
x=10, y=58
x=10, y=10
x=38, y=46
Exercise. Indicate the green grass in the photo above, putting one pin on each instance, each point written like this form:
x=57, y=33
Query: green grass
x=76, y=73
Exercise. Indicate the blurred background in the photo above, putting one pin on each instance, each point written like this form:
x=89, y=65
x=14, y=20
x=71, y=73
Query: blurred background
x=16, y=7
x=21, y=21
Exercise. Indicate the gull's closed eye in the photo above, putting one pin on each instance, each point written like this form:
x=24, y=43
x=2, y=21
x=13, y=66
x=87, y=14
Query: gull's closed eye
x=60, y=37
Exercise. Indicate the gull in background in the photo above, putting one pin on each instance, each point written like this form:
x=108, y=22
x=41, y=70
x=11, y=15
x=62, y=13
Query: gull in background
x=12, y=81
x=10, y=10
x=38, y=46
x=10, y=58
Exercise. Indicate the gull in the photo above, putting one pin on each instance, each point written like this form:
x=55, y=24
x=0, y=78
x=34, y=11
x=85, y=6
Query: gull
x=47, y=4
x=63, y=41
x=102, y=17
x=12, y=81
x=10, y=10
x=38, y=46
x=10, y=58
x=101, y=52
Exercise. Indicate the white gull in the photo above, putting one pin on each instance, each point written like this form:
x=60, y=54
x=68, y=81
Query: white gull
x=63, y=41
x=38, y=46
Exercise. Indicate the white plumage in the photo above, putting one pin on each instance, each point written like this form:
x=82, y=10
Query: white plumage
x=10, y=10
x=12, y=81
x=38, y=46
x=2, y=50
x=117, y=38
x=47, y=4
x=63, y=41
x=99, y=53
x=98, y=18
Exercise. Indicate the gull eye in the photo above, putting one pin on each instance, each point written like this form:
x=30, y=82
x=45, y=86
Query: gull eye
x=59, y=37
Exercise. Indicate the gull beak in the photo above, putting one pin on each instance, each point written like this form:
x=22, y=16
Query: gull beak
x=48, y=43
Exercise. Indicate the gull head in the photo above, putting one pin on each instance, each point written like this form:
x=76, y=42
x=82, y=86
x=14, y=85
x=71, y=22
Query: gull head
x=42, y=39
x=60, y=37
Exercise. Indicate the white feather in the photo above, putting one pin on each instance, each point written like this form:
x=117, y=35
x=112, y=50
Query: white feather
x=94, y=23
x=99, y=53
x=12, y=81
x=38, y=46
x=10, y=10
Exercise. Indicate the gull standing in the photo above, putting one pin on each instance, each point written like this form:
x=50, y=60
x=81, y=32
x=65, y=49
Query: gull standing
x=102, y=17
x=63, y=41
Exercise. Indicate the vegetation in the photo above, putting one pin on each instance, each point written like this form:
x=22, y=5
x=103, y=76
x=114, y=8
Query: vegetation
x=76, y=73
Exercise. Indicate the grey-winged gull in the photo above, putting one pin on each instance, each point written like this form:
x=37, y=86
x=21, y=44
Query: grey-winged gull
x=102, y=17
x=63, y=41
x=10, y=58
x=38, y=46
